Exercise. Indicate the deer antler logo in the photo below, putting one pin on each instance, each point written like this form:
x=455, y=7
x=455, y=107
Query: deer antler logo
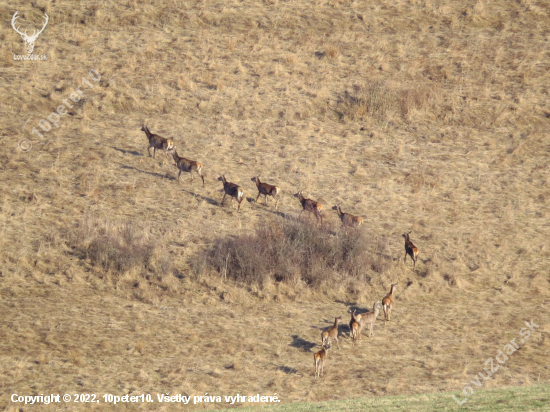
x=28, y=39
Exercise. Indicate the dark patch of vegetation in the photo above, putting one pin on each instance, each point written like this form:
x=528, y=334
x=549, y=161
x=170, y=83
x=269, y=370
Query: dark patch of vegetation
x=290, y=250
x=119, y=246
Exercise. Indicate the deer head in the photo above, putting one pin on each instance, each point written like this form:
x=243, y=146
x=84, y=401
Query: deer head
x=28, y=39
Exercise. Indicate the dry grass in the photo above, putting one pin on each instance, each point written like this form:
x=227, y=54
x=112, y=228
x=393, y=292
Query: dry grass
x=414, y=115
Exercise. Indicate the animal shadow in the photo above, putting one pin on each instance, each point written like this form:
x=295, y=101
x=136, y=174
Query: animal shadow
x=206, y=199
x=300, y=343
x=165, y=176
x=286, y=369
x=132, y=152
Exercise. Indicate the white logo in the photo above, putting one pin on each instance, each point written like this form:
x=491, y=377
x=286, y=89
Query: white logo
x=28, y=39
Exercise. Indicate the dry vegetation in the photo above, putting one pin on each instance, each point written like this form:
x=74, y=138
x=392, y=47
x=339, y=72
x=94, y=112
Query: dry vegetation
x=425, y=115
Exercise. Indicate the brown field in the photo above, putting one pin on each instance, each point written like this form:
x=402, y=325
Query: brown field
x=417, y=115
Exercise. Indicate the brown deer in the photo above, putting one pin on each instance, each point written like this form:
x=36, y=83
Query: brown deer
x=354, y=319
x=370, y=318
x=157, y=142
x=319, y=359
x=355, y=330
x=332, y=333
x=233, y=190
x=266, y=189
x=186, y=165
x=387, y=302
x=310, y=206
x=347, y=218
x=410, y=249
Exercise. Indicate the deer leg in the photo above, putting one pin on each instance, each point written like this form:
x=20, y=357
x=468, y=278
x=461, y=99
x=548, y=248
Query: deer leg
x=405, y=258
x=266, y=200
x=259, y=193
x=179, y=175
x=223, y=199
x=149, y=151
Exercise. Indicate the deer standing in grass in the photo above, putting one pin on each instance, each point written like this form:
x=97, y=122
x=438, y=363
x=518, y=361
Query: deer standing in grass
x=370, y=318
x=266, y=189
x=347, y=218
x=233, y=190
x=410, y=249
x=310, y=206
x=157, y=142
x=387, y=302
x=319, y=359
x=186, y=165
x=354, y=322
x=354, y=327
x=332, y=333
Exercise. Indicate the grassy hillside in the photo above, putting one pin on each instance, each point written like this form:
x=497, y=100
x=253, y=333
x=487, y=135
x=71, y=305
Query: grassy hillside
x=427, y=116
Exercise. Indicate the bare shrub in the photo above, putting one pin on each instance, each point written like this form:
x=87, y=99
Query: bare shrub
x=118, y=246
x=289, y=250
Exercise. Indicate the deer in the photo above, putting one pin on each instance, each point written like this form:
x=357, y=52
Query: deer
x=410, y=250
x=319, y=359
x=370, y=318
x=347, y=218
x=332, y=333
x=310, y=206
x=186, y=165
x=354, y=319
x=266, y=189
x=233, y=190
x=355, y=330
x=30, y=40
x=387, y=302
x=157, y=142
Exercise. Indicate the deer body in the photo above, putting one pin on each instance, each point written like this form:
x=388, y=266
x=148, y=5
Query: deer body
x=347, y=218
x=310, y=206
x=370, y=318
x=233, y=190
x=387, y=302
x=319, y=359
x=354, y=320
x=266, y=189
x=410, y=249
x=186, y=165
x=331, y=333
x=355, y=330
x=157, y=142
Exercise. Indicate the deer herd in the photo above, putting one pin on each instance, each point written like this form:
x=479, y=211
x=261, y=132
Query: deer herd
x=358, y=321
x=356, y=324
x=235, y=191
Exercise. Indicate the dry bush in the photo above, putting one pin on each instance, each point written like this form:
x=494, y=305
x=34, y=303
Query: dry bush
x=289, y=250
x=119, y=246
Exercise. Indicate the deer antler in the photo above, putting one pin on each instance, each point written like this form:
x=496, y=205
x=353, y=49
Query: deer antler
x=35, y=34
x=15, y=16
